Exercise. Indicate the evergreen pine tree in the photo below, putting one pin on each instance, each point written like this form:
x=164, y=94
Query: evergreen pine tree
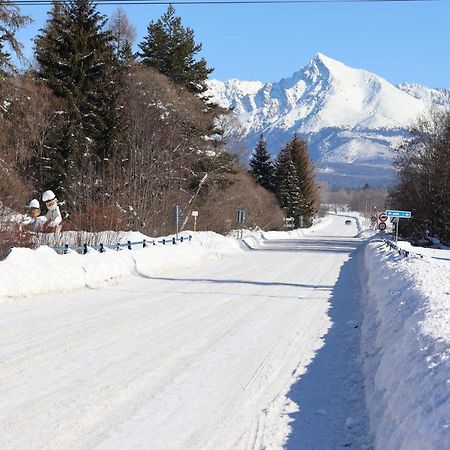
x=5, y=61
x=49, y=49
x=298, y=150
x=126, y=54
x=261, y=167
x=11, y=20
x=170, y=48
x=287, y=184
x=76, y=60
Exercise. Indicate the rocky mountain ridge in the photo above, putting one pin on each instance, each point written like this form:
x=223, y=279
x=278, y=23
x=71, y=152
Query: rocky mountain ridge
x=353, y=119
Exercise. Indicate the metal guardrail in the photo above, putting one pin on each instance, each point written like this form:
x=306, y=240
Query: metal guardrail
x=83, y=249
x=399, y=250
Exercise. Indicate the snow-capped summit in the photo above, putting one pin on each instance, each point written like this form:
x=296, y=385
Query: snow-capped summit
x=352, y=118
x=225, y=94
x=431, y=97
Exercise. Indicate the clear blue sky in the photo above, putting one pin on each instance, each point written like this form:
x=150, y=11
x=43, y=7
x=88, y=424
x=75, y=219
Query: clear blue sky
x=403, y=42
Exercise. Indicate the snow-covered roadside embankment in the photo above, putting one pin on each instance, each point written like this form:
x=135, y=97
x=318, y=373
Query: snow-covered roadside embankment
x=256, y=239
x=28, y=272
x=406, y=344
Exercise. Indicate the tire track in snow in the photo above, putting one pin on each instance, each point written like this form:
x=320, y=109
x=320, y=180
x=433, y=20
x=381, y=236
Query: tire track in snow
x=209, y=370
x=188, y=322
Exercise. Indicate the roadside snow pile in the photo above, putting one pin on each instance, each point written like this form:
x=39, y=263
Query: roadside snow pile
x=436, y=253
x=256, y=239
x=28, y=272
x=406, y=344
x=79, y=238
x=321, y=222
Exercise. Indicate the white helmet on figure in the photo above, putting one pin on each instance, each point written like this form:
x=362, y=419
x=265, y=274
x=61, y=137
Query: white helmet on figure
x=48, y=196
x=34, y=204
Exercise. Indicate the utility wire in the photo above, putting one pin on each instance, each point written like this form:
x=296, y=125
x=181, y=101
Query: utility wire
x=220, y=2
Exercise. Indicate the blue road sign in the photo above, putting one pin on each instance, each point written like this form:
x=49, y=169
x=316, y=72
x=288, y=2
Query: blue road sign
x=399, y=214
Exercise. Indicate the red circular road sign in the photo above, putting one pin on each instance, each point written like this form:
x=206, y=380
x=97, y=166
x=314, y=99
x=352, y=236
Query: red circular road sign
x=381, y=226
x=383, y=217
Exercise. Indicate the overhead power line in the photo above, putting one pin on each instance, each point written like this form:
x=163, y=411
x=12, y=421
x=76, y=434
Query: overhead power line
x=221, y=2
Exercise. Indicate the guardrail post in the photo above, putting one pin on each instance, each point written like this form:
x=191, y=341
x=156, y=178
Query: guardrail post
x=118, y=246
x=144, y=243
x=190, y=237
x=164, y=242
x=129, y=245
x=181, y=239
x=66, y=249
x=154, y=243
x=174, y=241
x=101, y=248
x=85, y=249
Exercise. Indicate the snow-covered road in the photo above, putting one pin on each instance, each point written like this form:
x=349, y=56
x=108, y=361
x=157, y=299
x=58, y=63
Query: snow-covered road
x=201, y=358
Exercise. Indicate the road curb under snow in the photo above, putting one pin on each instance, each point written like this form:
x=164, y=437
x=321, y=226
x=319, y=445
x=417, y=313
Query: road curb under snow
x=406, y=345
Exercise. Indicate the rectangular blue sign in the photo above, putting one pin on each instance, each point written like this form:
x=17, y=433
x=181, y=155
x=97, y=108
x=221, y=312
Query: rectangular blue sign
x=400, y=214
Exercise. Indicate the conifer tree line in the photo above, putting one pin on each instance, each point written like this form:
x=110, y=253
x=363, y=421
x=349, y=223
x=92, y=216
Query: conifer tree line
x=118, y=136
x=290, y=177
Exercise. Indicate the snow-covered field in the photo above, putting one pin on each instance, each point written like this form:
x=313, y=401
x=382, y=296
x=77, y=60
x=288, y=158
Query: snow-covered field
x=215, y=345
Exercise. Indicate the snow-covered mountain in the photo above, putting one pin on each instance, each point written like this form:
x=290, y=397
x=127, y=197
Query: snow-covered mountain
x=352, y=118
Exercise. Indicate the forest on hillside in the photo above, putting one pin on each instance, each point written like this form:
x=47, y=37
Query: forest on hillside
x=121, y=137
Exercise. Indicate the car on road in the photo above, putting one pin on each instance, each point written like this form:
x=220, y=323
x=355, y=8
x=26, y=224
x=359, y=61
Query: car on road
x=348, y=222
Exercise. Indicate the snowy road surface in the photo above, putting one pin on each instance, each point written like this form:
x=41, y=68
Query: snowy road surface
x=202, y=358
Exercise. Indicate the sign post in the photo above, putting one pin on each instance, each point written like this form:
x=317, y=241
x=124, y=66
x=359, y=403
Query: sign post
x=177, y=214
x=194, y=214
x=240, y=219
x=397, y=215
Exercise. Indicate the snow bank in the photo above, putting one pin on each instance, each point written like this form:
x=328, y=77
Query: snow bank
x=436, y=253
x=28, y=272
x=256, y=239
x=319, y=224
x=406, y=344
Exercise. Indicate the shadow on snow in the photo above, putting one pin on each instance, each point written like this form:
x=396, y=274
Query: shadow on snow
x=326, y=245
x=231, y=281
x=330, y=395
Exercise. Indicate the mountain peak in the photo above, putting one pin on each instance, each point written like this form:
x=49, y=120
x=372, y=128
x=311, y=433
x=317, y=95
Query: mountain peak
x=323, y=58
x=352, y=118
x=329, y=63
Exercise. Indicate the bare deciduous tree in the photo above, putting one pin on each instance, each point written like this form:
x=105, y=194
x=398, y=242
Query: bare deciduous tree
x=424, y=178
x=123, y=31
